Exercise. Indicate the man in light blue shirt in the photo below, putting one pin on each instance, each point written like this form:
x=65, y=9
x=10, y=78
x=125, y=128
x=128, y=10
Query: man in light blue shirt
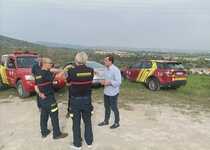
x=111, y=84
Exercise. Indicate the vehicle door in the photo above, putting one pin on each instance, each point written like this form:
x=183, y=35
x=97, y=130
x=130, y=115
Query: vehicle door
x=146, y=70
x=3, y=69
x=134, y=71
x=11, y=71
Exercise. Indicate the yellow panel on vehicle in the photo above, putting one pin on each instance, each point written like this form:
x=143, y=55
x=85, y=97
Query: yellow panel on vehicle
x=179, y=79
x=3, y=74
x=139, y=76
x=148, y=72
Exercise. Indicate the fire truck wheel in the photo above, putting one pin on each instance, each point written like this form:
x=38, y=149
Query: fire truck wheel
x=21, y=91
x=153, y=84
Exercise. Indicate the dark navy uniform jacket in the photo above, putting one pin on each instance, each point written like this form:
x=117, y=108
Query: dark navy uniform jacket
x=80, y=77
x=44, y=81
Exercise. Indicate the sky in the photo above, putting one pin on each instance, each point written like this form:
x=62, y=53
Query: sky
x=173, y=24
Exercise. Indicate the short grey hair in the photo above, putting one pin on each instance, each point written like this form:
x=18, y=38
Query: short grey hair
x=81, y=58
x=46, y=60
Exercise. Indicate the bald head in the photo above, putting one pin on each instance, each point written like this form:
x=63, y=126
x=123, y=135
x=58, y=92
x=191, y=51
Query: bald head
x=46, y=60
x=46, y=63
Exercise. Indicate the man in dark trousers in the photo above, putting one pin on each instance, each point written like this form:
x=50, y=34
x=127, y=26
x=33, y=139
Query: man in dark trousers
x=48, y=104
x=111, y=85
x=80, y=78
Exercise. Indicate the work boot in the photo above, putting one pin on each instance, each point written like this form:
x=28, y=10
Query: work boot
x=45, y=135
x=61, y=136
x=115, y=125
x=75, y=147
x=104, y=123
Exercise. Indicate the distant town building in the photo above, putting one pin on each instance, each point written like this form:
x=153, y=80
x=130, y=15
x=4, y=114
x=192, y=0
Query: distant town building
x=200, y=71
x=115, y=52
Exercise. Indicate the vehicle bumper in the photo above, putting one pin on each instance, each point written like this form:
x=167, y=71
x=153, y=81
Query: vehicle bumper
x=175, y=83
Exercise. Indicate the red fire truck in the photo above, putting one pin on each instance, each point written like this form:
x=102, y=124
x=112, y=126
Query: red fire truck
x=15, y=71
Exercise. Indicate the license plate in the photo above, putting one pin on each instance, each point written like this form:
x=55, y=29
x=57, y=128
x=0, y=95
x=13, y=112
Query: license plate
x=179, y=73
x=178, y=79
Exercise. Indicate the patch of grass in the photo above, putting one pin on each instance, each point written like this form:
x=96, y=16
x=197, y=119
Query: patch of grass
x=194, y=94
x=197, y=85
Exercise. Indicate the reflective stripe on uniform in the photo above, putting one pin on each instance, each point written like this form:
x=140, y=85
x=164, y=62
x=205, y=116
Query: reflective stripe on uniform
x=85, y=74
x=44, y=84
x=54, y=110
x=80, y=83
x=68, y=67
x=38, y=77
x=53, y=104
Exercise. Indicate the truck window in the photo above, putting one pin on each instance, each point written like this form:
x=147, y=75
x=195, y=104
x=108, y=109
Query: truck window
x=11, y=63
x=137, y=66
x=174, y=66
x=147, y=64
x=160, y=65
x=25, y=61
x=170, y=65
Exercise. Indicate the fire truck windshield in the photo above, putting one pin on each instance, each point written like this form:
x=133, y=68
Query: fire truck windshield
x=25, y=61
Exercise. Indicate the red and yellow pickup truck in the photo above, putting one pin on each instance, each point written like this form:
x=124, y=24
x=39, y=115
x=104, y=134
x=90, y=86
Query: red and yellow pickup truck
x=15, y=71
x=157, y=73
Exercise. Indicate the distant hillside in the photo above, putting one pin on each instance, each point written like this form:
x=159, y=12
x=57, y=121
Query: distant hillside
x=7, y=42
x=8, y=45
x=59, y=55
x=59, y=45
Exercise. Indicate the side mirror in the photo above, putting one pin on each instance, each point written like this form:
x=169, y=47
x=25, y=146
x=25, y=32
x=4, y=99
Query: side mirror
x=11, y=65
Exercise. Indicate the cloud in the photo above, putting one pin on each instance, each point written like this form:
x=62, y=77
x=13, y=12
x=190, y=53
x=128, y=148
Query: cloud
x=143, y=6
x=135, y=23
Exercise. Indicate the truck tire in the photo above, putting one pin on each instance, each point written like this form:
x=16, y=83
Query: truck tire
x=153, y=84
x=2, y=85
x=21, y=91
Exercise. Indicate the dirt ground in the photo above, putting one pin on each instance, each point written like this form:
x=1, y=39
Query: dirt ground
x=143, y=127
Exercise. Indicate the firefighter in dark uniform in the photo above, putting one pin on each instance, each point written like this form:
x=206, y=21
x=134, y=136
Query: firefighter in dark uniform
x=48, y=105
x=67, y=69
x=36, y=69
x=80, y=78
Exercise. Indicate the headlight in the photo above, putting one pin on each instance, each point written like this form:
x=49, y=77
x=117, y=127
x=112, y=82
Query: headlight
x=55, y=82
x=29, y=77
